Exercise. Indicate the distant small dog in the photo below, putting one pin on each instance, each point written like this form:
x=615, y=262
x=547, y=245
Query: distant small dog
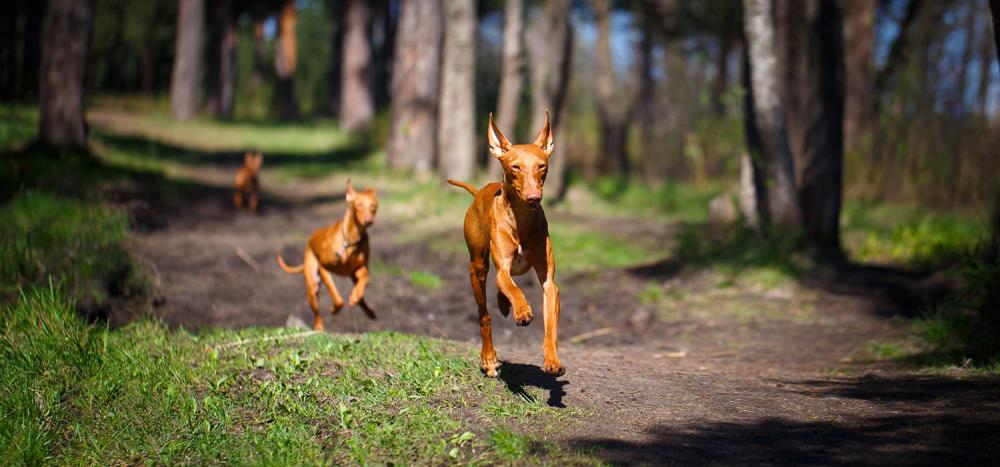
x=247, y=181
x=340, y=248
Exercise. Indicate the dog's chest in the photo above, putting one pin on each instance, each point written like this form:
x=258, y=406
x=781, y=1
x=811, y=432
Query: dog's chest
x=519, y=265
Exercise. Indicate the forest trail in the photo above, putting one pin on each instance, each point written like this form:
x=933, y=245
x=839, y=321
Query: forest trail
x=708, y=374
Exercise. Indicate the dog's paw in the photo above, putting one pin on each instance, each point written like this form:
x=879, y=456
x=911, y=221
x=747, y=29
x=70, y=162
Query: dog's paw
x=490, y=369
x=335, y=308
x=554, y=369
x=523, y=316
x=354, y=299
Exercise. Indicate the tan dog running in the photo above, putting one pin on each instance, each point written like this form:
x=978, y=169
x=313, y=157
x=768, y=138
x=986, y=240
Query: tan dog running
x=340, y=248
x=247, y=181
x=506, y=221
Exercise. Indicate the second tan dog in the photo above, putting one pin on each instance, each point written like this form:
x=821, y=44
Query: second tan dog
x=247, y=181
x=340, y=248
x=506, y=222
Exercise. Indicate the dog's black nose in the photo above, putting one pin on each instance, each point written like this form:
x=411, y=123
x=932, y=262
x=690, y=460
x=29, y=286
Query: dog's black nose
x=534, y=199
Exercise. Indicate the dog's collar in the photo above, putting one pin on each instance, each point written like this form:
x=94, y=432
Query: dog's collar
x=345, y=244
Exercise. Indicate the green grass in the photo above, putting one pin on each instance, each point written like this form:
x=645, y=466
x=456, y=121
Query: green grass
x=79, y=243
x=908, y=236
x=671, y=200
x=80, y=394
x=19, y=125
x=425, y=279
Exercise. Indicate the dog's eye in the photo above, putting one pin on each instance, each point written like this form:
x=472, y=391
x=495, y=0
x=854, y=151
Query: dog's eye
x=541, y=167
x=516, y=167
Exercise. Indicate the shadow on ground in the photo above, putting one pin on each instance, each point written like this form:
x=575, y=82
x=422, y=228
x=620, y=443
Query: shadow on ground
x=922, y=421
x=518, y=375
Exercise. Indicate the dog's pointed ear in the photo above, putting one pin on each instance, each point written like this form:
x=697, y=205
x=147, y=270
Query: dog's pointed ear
x=544, y=139
x=350, y=191
x=498, y=142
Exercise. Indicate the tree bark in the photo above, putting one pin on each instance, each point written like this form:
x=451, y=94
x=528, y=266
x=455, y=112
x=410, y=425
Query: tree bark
x=223, y=39
x=766, y=114
x=259, y=53
x=415, y=79
x=456, y=140
x=614, y=117
x=550, y=51
x=384, y=25
x=336, y=55
x=511, y=74
x=995, y=14
x=285, y=61
x=185, y=82
x=821, y=117
x=65, y=38
x=859, y=39
x=356, y=104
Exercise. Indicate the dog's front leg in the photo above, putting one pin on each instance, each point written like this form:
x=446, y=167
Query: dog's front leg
x=546, y=273
x=506, y=286
x=360, y=282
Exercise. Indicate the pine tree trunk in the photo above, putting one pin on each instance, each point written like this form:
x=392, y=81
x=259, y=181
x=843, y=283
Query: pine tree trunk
x=336, y=55
x=456, y=140
x=995, y=14
x=227, y=64
x=285, y=61
x=821, y=103
x=767, y=114
x=550, y=52
x=614, y=117
x=356, y=105
x=859, y=39
x=511, y=75
x=416, y=68
x=384, y=25
x=65, y=37
x=185, y=82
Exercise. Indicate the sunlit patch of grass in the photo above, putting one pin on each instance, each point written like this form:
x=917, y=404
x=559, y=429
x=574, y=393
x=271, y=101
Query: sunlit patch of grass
x=579, y=248
x=673, y=200
x=908, y=236
x=651, y=294
x=886, y=350
x=425, y=279
x=76, y=393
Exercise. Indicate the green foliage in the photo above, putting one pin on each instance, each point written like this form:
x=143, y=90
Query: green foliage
x=681, y=200
x=579, y=248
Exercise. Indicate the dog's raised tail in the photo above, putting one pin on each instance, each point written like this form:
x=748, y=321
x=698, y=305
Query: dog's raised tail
x=469, y=188
x=289, y=269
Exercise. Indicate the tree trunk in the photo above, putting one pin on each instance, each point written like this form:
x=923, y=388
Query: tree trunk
x=185, y=82
x=645, y=102
x=356, y=105
x=65, y=38
x=259, y=53
x=821, y=117
x=995, y=14
x=456, y=140
x=511, y=75
x=227, y=64
x=383, y=35
x=859, y=35
x=614, y=117
x=285, y=62
x=550, y=51
x=221, y=74
x=898, y=49
x=415, y=78
x=767, y=116
x=336, y=55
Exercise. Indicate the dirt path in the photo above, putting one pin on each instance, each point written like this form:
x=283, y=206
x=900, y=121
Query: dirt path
x=704, y=383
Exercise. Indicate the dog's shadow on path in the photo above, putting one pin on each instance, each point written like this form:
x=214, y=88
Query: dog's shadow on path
x=518, y=375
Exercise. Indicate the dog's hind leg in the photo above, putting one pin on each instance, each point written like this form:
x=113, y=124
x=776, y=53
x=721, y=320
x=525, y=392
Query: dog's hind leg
x=478, y=267
x=311, y=270
x=338, y=302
